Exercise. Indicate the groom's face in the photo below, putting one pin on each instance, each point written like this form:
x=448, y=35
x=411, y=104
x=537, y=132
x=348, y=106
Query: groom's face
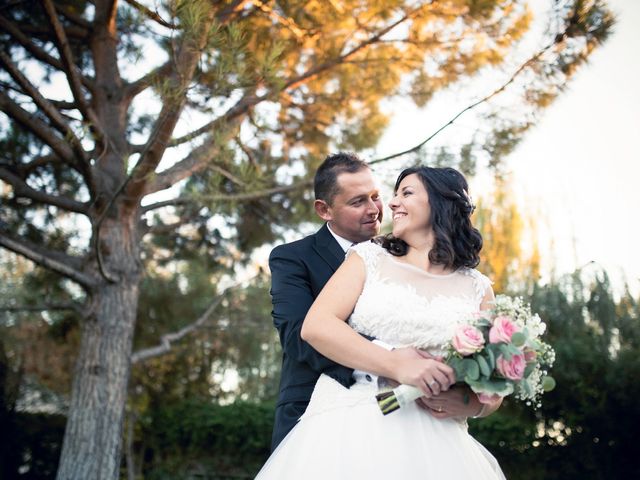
x=356, y=210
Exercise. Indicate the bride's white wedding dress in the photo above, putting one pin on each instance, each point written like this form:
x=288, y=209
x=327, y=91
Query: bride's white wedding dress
x=343, y=434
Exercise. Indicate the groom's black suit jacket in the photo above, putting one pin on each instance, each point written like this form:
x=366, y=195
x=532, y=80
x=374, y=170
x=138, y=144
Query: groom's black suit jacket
x=299, y=270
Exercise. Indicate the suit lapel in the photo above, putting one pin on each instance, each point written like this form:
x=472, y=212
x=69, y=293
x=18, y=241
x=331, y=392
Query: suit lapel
x=328, y=248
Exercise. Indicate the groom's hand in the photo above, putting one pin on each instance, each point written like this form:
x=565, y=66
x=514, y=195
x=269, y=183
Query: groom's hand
x=458, y=402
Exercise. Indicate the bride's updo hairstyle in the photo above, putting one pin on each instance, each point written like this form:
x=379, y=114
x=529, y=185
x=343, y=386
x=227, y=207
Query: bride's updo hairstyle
x=457, y=242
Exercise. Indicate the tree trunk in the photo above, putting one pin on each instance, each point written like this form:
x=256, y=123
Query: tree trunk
x=93, y=437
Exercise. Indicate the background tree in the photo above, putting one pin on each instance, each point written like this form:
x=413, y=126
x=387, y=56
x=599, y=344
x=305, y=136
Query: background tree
x=248, y=96
x=503, y=229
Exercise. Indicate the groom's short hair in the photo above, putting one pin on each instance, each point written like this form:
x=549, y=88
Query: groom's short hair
x=325, y=182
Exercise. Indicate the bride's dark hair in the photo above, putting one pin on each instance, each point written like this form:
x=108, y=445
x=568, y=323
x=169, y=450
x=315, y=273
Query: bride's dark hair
x=457, y=242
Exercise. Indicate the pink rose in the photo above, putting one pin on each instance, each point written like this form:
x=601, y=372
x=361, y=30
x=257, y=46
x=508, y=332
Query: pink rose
x=512, y=369
x=467, y=340
x=502, y=330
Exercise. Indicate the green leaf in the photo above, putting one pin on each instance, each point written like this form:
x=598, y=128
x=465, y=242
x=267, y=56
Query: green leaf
x=491, y=357
x=471, y=369
x=505, y=351
x=500, y=387
x=483, y=322
x=528, y=369
x=518, y=339
x=514, y=350
x=458, y=366
x=484, y=366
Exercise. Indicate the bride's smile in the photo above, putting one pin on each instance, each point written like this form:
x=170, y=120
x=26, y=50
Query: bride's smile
x=411, y=212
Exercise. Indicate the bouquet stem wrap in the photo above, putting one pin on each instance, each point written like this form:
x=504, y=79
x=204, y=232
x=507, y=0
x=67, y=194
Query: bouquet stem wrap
x=392, y=400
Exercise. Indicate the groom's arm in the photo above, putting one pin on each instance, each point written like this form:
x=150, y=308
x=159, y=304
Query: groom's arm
x=292, y=296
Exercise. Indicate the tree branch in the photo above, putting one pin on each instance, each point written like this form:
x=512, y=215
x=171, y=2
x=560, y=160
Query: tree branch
x=43, y=308
x=78, y=20
x=27, y=168
x=155, y=16
x=62, y=105
x=227, y=174
x=164, y=228
x=473, y=105
x=73, y=75
x=315, y=71
x=238, y=197
x=186, y=62
x=45, y=106
x=241, y=107
x=22, y=189
x=60, y=263
x=232, y=10
x=140, y=85
x=287, y=22
x=28, y=45
x=192, y=163
x=37, y=127
x=44, y=33
x=169, y=338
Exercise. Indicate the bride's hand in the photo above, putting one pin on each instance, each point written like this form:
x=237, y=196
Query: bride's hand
x=422, y=370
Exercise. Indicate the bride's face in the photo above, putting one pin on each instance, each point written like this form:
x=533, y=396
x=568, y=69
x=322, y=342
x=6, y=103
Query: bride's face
x=410, y=207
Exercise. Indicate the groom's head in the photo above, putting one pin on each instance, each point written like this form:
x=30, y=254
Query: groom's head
x=347, y=197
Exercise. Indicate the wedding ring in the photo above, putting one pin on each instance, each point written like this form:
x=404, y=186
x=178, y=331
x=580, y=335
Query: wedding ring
x=432, y=383
x=439, y=409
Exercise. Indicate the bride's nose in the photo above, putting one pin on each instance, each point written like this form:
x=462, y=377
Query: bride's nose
x=393, y=203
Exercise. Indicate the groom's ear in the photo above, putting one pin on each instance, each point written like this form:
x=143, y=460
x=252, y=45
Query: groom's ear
x=323, y=210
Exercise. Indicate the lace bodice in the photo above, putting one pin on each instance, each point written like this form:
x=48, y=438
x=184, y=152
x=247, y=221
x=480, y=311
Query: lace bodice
x=403, y=305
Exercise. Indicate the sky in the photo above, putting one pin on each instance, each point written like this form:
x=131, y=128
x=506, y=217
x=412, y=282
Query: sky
x=581, y=164
x=577, y=172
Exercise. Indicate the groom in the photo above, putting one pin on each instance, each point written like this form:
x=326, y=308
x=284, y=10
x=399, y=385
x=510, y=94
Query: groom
x=347, y=199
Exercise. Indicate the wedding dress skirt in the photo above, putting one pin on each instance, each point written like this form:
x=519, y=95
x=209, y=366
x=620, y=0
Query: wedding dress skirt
x=343, y=435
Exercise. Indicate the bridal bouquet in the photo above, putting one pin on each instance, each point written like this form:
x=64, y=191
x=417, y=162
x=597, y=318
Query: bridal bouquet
x=498, y=353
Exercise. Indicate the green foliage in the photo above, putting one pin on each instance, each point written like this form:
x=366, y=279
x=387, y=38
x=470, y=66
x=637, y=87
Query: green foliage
x=40, y=344
x=196, y=435
x=238, y=337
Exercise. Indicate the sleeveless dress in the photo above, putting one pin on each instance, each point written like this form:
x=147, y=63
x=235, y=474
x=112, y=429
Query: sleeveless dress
x=343, y=434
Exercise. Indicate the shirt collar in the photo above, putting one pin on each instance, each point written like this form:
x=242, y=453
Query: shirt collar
x=343, y=242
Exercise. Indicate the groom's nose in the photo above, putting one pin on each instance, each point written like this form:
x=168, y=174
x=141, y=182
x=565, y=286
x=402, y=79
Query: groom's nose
x=373, y=208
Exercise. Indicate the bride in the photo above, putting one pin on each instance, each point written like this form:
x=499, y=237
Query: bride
x=410, y=288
